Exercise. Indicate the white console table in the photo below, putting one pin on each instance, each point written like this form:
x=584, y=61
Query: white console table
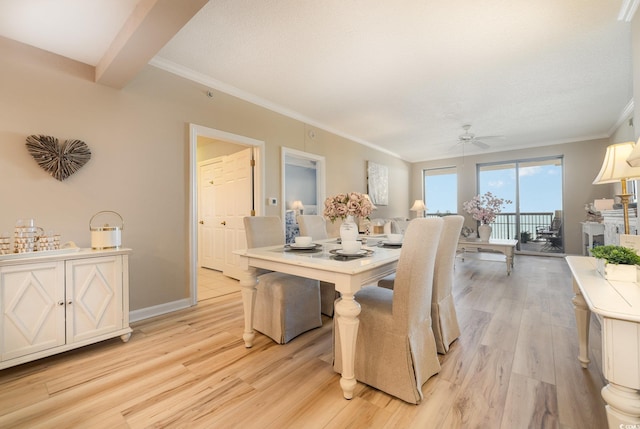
x=617, y=305
x=589, y=231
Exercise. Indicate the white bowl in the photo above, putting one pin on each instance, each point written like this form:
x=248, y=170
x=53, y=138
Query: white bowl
x=394, y=238
x=351, y=247
x=303, y=240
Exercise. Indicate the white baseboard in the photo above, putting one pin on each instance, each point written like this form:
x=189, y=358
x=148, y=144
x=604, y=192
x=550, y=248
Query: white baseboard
x=157, y=310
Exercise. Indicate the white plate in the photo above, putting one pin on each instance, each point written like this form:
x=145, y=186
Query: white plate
x=341, y=252
x=297, y=246
x=392, y=243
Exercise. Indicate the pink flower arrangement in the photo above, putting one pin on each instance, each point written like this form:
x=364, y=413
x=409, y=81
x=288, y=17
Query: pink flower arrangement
x=485, y=208
x=351, y=204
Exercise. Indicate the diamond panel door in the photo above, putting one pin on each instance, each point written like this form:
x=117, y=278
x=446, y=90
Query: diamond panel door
x=33, y=315
x=94, y=297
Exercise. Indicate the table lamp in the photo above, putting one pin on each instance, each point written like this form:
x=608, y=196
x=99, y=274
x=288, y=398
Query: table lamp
x=419, y=208
x=616, y=169
x=634, y=158
x=297, y=206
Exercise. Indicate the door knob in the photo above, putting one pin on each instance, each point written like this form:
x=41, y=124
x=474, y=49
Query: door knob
x=224, y=222
x=201, y=222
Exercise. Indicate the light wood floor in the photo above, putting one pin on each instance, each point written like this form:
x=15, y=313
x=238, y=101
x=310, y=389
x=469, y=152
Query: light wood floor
x=514, y=366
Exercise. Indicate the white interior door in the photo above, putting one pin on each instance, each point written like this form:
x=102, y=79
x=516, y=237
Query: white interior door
x=210, y=251
x=238, y=183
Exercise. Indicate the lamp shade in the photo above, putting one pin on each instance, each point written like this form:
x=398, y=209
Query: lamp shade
x=418, y=205
x=297, y=205
x=634, y=158
x=615, y=167
x=373, y=206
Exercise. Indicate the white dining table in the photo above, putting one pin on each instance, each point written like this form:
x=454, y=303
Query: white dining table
x=349, y=276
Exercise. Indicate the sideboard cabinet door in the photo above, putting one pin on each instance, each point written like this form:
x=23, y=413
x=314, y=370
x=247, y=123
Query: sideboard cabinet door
x=33, y=310
x=94, y=297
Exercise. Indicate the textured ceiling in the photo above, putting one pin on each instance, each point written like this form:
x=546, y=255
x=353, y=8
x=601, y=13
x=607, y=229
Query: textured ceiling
x=403, y=76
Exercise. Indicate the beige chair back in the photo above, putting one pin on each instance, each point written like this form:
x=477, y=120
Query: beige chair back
x=263, y=231
x=313, y=225
x=443, y=280
x=414, y=275
x=443, y=312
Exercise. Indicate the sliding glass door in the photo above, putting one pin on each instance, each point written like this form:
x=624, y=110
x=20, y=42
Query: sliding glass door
x=535, y=188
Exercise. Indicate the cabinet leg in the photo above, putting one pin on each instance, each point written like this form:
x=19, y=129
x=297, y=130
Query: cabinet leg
x=125, y=337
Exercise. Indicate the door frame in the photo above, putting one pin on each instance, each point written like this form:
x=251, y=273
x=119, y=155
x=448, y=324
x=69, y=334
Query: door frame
x=320, y=177
x=258, y=189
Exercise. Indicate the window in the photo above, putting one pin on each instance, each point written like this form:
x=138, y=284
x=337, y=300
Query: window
x=534, y=186
x=441, y=190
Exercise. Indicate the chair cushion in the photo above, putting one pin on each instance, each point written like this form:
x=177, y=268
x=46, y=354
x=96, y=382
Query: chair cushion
x=286, y=306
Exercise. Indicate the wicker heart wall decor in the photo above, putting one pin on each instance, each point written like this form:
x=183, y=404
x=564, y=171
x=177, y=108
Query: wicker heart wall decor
x=59, y=160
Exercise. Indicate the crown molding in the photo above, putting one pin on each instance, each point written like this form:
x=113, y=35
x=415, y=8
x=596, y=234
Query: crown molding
x=184, y=72
x=628, y=110
x=627, y=10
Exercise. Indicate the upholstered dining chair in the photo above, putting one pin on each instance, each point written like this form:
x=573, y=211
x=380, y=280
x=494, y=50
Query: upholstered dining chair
x=285, y=305
x=395, y=348
x=443, y=311
x=315, y=226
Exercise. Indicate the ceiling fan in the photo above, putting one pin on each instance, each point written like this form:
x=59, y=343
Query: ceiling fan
x=468, y=137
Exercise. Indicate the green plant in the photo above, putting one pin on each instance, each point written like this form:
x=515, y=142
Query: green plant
x=616, y=255
x=525, y=236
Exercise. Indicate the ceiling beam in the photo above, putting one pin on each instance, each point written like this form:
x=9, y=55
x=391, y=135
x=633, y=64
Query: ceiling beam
x=151, y=25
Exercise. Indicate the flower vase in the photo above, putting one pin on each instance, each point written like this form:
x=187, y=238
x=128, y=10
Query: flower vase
x=349, y=229
x=484, y=231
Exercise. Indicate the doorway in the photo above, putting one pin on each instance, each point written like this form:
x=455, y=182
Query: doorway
x=535, y=216
x=303, y=187
x=196, y=133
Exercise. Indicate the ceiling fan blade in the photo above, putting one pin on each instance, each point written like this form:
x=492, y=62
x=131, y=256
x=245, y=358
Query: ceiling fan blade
x=480, y=144
x=488, y=137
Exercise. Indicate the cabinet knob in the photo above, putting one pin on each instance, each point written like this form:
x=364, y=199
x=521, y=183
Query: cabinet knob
x=224, y=222
x=69, y=302
x=201, y=222
x=60, y=302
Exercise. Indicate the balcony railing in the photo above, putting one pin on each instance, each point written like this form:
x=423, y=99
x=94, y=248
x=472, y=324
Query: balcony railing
x=505, y=224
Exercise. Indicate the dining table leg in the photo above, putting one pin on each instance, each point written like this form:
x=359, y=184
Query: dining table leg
x=347, y=311
x=248, y=282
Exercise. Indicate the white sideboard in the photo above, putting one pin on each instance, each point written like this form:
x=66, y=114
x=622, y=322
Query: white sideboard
x=56, y=301
x=613, y=221
x=592, y=235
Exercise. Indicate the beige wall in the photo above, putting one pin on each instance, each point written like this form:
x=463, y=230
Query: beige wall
x=210, y=148
x=139, y=167
x=635, y=54
x=582, y=161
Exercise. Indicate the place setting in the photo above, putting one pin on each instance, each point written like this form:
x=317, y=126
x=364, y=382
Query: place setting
x=350, y=250
x=392, y=241
x=303, y=244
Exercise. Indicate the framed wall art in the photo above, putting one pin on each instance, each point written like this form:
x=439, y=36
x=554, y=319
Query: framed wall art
x=378, y=183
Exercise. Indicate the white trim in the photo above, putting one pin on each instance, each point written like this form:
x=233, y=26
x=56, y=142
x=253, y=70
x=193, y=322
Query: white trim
x=628, y=10
x=194, y=76
x=628, y=110
x=258, y=196
x=320, y=176
x=158, y=310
